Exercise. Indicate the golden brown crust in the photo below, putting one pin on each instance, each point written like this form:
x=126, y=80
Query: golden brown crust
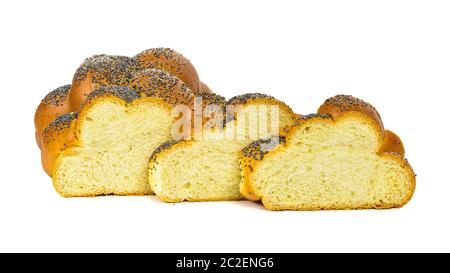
x=313, y=117
x=332, y=110
x=259, y=148
x=159, y=83
x=340, y=104
x=242, y=100
x=392, y=143
x=52, y=106
x=56, y=137
x=171, y=61
x=204, y=88
x=97, y=71
x=125, y=93
x=213, y=99
x=161, y=148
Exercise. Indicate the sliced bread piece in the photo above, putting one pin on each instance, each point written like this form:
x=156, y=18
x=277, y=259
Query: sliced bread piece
x=106, y=147
x=341, y=158
x=207, y=169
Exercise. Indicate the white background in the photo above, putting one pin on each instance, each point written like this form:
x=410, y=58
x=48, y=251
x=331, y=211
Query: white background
x=394, y=54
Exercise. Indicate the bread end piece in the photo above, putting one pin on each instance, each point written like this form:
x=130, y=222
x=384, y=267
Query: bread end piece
x=394, y=182
x=114, y=135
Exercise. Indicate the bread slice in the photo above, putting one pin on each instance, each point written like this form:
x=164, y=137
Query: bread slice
x=207, y=169
x=341, y=158
x=105, y=148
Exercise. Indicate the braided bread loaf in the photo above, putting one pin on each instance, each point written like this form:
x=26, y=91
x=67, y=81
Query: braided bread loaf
x=110, y=70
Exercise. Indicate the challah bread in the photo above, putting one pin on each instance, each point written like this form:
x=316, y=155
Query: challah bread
x=341, y=158
x=171, y=61
x=52, y=106
x=208, y=169
x=110, y=70
x=100, y=70
x=115, y=134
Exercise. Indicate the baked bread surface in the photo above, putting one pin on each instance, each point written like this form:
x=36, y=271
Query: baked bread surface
x=174, y=63
x=340, y=158
x=97, y=71
x=53, y=105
